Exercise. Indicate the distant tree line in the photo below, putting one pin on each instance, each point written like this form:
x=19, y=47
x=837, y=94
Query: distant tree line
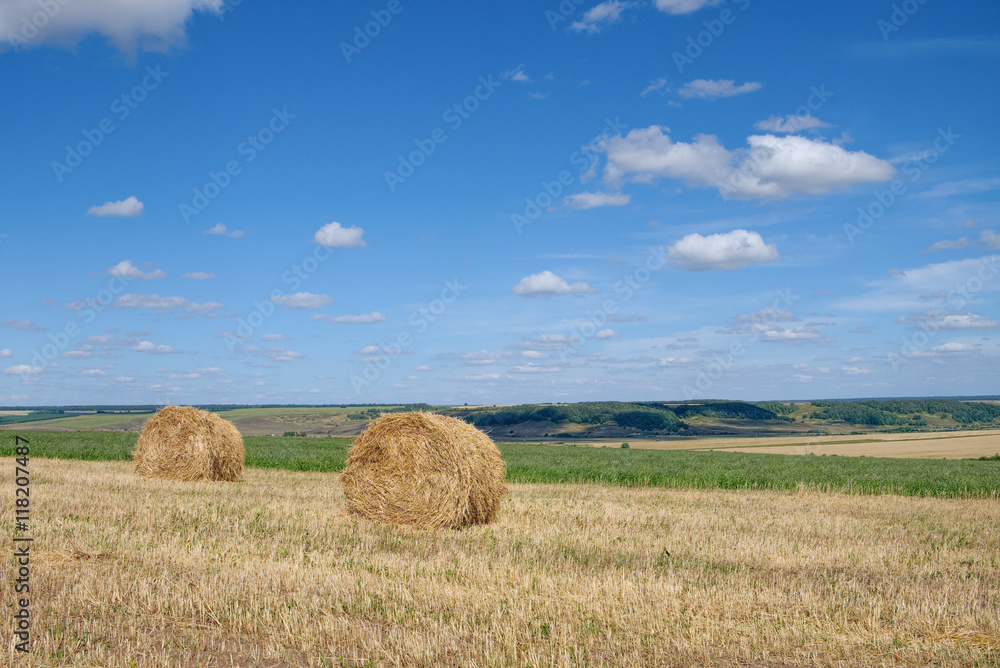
x=877, y=412
x=648, y=417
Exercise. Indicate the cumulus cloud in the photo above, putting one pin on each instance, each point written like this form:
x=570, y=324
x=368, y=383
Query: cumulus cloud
x=199, y=276
x=546, y=284
x=5, y=352
x=126, y=208
x=303, y=300
x=589, y=200
x=363, y=319
x=92, y=372
x=711, y=89
x=24, y=325
x=684, y=6
x=22, y=370
x=152, y=348
x=770, y=168
x=220, y=230
x=598, y=17
x=732, y=250
x=126, y=269
x=162, y=304
x=333, y=235
x=126, y=24
x=548, y=342
x=790, y=123
x=422, y=367
x=856, y=370
x=953, y=347
x=990, y=239
x=913, y=288
x=606, y=334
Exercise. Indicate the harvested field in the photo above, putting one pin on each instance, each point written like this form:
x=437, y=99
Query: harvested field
x=273, y=572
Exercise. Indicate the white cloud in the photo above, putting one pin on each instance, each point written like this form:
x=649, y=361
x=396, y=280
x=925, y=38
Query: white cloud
x=961, y=242
x=771, y=168
x=655, y=86
x=199, y=276
x=531, y=367
x=911, y=289
x=965, y=187
x=606, y=334
x=856, y=370
x=684, y=6
x=516, y=74
x=274, y=337
x=422, y=367
x=364, y=319
x=92, y=372
x=548, y=342
x=303, y=300
x=126, y=208
x=966, y=321
x=124, y=379
x=546, y=283
x=152, y=348
x=128, y=270
x=24, y=325
x=589, y=200
x=990, y=239
x=711, y=89
x=5, y=352
x=126, y=24
x=77, y=354
x=791, y=123
x=161, y=303
x=599, y=16
x=534, y=354
x=952, y=347
x=220, y=230
x=333, y=235
x=276, y=353
x=732, y=250
x=21, y=370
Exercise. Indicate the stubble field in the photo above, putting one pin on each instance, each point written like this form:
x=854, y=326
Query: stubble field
x=273, y=572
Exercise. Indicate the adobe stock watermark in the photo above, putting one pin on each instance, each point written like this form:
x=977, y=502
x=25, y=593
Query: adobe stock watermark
x=454, y=116
x=624, y=289
x=720, y=364
x=248, y=150
x=913, y=170
x=420, y=319
x=584, y=159
x=696, y=44
x=363, y=35
x=292, y=278
x=899, y=17
x=562, y=12
x=958, y=296
x=758, y=155
x=47, y=10
x=87, y=311
x=121, y=108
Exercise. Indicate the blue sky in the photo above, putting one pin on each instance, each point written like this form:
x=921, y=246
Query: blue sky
x=249, y=202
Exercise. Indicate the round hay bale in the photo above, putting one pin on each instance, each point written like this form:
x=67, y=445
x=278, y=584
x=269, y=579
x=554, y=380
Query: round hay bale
x=184, y=443
x=424, y=470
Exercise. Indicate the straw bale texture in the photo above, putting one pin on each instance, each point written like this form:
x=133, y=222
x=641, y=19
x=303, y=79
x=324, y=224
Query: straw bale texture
x=424, y=470
x=185, y=443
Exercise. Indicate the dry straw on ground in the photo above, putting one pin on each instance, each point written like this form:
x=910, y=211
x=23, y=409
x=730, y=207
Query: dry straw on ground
x=424, y=470
x=184, y=443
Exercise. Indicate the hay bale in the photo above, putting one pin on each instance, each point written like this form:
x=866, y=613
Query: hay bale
x=184, y=443
x=424, y=470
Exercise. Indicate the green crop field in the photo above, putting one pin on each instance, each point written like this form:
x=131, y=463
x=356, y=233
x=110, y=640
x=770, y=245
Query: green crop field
x=611, y=466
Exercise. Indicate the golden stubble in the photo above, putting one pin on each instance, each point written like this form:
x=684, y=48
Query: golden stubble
x=272, y=571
